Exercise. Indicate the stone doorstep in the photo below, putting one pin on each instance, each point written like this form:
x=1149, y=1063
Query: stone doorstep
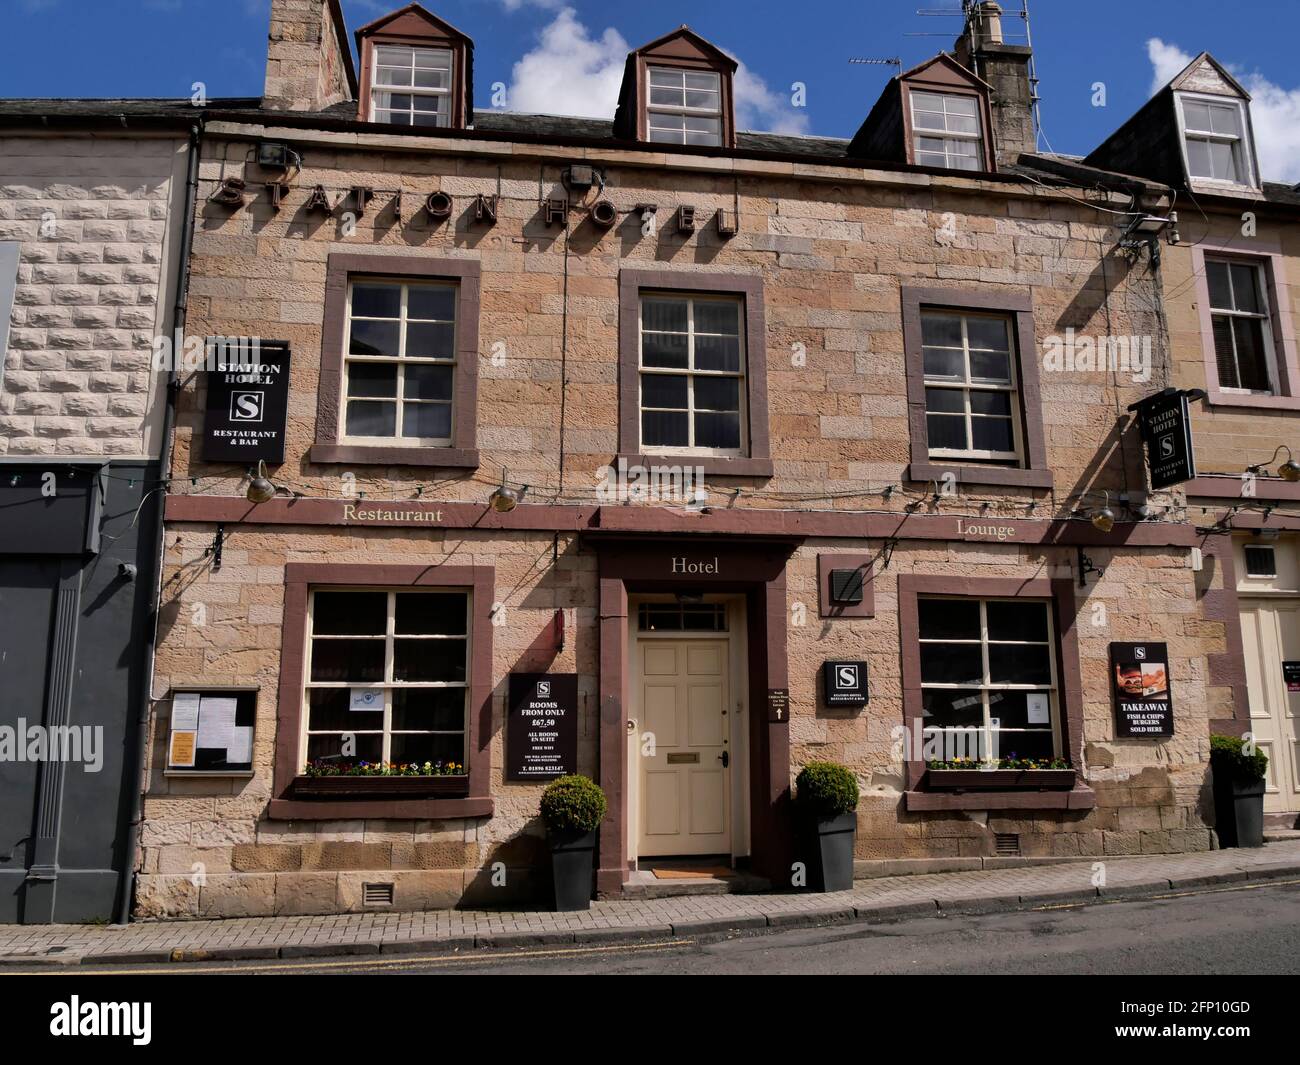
x=524, y=933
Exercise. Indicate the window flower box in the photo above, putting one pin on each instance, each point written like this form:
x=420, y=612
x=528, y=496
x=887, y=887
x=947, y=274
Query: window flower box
x=999, y=779
x=380, y=787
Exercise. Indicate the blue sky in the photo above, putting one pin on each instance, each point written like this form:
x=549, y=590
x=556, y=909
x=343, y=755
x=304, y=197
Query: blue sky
x=564, y=56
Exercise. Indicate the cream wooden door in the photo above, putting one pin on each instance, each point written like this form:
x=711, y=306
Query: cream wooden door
x=685, y=782
x=1270, y=632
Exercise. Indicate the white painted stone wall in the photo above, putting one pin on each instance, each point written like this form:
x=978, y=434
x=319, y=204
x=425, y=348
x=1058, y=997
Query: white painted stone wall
x=97, y=217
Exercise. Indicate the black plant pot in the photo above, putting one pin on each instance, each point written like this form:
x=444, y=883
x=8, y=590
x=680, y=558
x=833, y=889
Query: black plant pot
x=573, y=869
x=830, y=844
x=1238, y=811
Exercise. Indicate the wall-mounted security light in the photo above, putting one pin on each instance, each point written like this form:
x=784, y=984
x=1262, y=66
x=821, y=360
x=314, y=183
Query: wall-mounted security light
x=1288, y=471
x=272, y=155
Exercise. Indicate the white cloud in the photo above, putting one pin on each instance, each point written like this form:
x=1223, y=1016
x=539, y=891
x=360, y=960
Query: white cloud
x=571, y=72
x=545, y=5
x=1274, y=111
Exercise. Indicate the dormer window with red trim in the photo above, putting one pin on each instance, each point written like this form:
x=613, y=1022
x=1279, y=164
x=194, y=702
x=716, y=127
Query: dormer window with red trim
x=946, y=130
x=416, y=70
x=678, y=90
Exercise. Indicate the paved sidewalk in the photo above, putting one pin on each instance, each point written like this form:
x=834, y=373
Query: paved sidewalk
x=679, y=917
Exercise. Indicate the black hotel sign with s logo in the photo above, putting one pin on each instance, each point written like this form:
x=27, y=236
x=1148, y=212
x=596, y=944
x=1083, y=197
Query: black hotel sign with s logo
x=1166, y=427
x=844, y=683
x=248, y=400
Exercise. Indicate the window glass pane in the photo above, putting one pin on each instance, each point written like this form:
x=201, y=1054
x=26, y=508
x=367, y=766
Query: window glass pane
x=394, y=76
x=1245, y=288
x=947, y=432
x=1011, y=709
x=962, y=124
x=429, y=103
x=375, y=338
x=990, y=366
x=1225, y=120
x=669, y=350
x=430, y=614
x=1196, y=115
x=941, y=330
x=931, y=159
x=329, y=710
x=948, y=619
x=429, y=709
x=1020, y=664
x=717, y=393
x=964, y=162
x=945, y=362
x=992, y=434
x=431, y=79
x=704, y=138
x=666, y=97
x=370, y=418
x=1225, y=355
x=716, y=316
x=703, y=100
x=996, y=403
x=945, y=400
x=1017, y=621
x=960, y=708
x=665, y=429
x=424, y=119
x=428, y=660
x=421, y=747
x=430, y=340
x=436, y=303
x=350, y=613
x=367, y=747
x=1036, y=744
x=1223, y=163
x=951, y=663
x=717, y=430
x=426, y=421
x=1216, y=277
x=1198, y=158
x=372, y=379
x=664, y=390
x=376, y=301
x=428, y=382
x=667, y=76
x=717, y=353
x=701, y=80
x=664, y=315
x=351, y=661
x=959, y=105
x=1252, y=366
x=988, y=334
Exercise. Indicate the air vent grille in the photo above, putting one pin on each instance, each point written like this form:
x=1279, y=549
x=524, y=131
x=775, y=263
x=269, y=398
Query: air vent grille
x=377, y=894
x=1006, y=844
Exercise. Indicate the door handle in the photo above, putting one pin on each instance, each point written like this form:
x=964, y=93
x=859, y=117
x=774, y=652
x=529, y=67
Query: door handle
x=725, y=759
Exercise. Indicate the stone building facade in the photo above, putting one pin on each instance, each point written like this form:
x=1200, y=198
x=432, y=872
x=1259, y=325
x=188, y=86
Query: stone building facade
x=840, y=265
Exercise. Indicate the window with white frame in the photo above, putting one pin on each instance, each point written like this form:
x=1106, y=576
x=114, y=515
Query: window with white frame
x=972, y=405
x=1243, y=331
x=685, y=106
x=387, y=677
x=1214, y=132
x=692, y=374
x=399, y=370
x=989, y=664
x=946, y=131
x=411, y=86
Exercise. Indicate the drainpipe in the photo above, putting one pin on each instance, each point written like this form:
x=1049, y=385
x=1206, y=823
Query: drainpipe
x=126, y=886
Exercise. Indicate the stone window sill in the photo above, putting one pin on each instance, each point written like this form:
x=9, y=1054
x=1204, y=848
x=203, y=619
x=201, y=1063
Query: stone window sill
x=1002, y=476
x=448, y=458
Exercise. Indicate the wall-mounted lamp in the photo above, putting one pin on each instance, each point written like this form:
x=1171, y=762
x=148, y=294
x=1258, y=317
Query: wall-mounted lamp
x=1288, y=471
x=1102, y=517
x=261, y=489
x=504, y=499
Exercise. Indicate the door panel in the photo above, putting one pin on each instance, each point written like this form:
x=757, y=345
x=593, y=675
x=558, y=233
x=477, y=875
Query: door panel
x=1270, y=631
x=685, y=786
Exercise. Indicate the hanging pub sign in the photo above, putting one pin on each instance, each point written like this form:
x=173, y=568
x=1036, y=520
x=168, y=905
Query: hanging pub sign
x=542, y=726
x=1144, y=702
x=844, y=683
x=248, y=400
x=1166, y=426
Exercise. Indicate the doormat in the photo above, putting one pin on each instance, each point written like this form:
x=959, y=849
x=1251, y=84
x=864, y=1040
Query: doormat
x=692, y=872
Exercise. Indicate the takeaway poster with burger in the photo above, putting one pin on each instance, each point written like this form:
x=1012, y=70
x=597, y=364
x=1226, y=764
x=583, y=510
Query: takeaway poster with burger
x=1144, y=704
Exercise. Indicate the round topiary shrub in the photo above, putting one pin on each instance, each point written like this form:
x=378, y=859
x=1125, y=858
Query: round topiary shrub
x=573, y=804
x=1228, y=755
x=826, y=789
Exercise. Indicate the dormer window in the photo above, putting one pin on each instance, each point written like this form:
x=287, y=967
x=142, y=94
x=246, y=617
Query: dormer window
x=946, y=131
x=685, y=106
x=416, y=70
x=1215, y=141
x=412, y=86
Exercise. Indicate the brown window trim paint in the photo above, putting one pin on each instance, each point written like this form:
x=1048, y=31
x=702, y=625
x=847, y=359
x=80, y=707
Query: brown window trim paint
x=1020, y=307
x=342, y=268
x=1070, y=687
x=1269, y=258
x=631, y=284
x=374, y=36
x=299, y=579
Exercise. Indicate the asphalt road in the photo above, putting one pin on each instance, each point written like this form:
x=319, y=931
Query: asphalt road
x=1238, y=929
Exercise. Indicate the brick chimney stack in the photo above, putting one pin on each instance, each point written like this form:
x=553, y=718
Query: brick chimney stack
x=308, y=61
x=982, y=50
